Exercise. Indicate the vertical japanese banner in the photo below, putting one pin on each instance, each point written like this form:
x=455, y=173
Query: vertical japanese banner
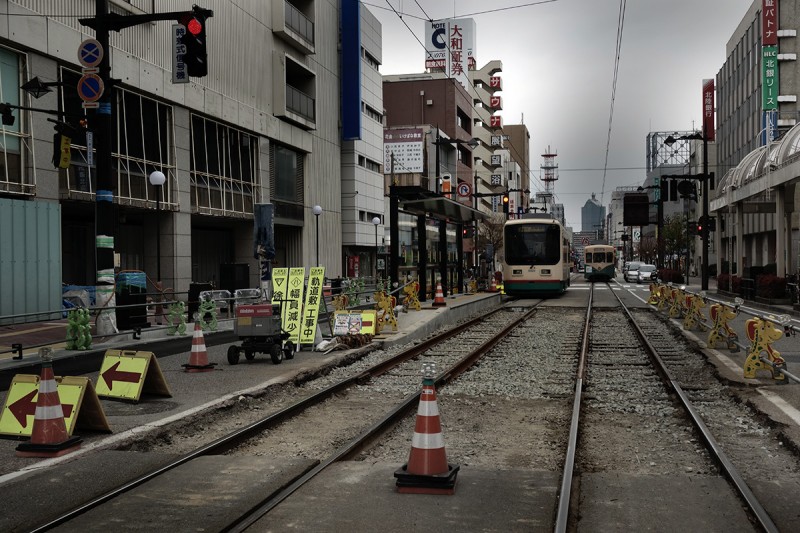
x=708, y=110
x=294, y=315
x=279, y=278
x=311, y=310
x=769, y=78
x=769, y=22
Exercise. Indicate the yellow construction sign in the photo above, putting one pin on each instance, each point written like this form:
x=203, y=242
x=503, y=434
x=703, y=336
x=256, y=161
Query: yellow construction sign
x=313, y=300
x=292, y=311
x=126, y=374
x=354, y=322
x=280, y=279
x=78, y=399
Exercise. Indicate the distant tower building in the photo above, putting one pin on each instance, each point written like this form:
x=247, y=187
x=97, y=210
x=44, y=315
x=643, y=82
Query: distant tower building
x=592, y=215
x=549, y=176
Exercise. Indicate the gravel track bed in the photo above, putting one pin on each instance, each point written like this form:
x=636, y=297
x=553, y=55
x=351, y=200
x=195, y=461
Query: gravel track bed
x=511, y=410
x=754, y=447
x=188, y=434
x=629, y=423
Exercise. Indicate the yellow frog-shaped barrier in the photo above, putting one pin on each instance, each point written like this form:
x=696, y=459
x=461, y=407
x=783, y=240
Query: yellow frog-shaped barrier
x=663, y=297
x=384, y=307
x=721, y=331
x=655, y=294
x=340, y=302
x=694, y=305
x=762, y=333
x=676, y=297
x=411, y=299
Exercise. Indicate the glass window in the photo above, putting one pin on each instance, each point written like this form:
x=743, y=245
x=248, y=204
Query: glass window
x=532, y=244
x=224, y=168
x=141, y=143
x=285, y=173
x=12, y=141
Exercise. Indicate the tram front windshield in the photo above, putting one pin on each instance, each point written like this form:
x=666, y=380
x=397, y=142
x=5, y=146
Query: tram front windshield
x=532, y=244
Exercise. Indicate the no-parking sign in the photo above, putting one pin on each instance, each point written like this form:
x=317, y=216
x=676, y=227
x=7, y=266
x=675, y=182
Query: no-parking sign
x=464, y=189
x=90, y=87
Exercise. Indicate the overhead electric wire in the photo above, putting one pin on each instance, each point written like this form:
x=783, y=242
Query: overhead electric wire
x=617, y=53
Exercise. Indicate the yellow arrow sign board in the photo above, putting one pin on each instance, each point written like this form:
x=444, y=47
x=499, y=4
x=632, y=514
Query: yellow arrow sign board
x=78, y=399
x=125, y=374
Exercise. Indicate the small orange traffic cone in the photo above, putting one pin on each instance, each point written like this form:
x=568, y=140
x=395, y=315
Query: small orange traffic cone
x=427, y=470
x=438, y=300
x=493, y=286
x=49, y=437
x=198, y=359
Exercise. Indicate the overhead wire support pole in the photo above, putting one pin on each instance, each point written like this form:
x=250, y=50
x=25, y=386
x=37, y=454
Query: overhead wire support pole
x=705, y=230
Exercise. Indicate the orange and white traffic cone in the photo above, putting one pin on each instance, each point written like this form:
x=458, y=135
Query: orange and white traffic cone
x=427, y=470
x=493, y=286
x=49, y=437
x=438, y=300
x=198, y=359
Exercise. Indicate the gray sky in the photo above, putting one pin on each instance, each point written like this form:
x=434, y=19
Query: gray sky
x=558, y=71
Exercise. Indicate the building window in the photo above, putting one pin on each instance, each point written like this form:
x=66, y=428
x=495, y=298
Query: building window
x=15, y=149
x=370, y=59
x=223, y=169
x=286, y=181
x=142, y=142
x=372, y=113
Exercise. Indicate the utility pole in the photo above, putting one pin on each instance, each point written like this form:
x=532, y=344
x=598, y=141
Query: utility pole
x=705, y=232
x=104, y=197
x=102, y=126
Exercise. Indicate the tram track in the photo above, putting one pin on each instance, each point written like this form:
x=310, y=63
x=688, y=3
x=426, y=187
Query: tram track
x=603, y=394
x=445, y=348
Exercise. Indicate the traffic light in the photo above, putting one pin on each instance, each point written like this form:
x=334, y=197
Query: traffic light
x=700, y=223
x=505, y=204
x=8, y=117
x=194, y=39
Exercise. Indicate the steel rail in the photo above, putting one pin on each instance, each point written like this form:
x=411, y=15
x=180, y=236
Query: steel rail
x=562, y=514
x=381, y=426
x=730, y=471
x=234, y=438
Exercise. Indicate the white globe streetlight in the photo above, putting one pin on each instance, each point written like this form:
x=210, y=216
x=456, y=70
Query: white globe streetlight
x=157, y=179
x=376, y=221
x=317, y=210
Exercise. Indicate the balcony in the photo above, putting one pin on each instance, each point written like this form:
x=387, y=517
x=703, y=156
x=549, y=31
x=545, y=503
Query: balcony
x=293, y=91
x=293, y=26
x=300, y=103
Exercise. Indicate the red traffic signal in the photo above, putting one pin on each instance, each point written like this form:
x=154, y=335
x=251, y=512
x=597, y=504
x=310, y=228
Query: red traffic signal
x=195, y=56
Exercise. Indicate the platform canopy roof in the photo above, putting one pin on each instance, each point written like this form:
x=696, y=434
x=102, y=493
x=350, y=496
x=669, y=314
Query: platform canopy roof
x=418, y=201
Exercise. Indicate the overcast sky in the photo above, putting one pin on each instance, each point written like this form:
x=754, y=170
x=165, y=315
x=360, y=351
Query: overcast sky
x=558, y=69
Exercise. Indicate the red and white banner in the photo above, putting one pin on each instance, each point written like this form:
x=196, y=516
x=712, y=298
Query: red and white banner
x=708, y=109
x=769, y=22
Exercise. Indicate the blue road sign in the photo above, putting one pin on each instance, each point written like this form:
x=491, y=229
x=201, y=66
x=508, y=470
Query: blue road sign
x=90, y=53
x=90, y=87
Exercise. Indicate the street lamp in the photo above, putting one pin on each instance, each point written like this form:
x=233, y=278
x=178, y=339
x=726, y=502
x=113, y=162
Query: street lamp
x=376, y=221
x=38, y=88
x=317, y=210
x=157, y=179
